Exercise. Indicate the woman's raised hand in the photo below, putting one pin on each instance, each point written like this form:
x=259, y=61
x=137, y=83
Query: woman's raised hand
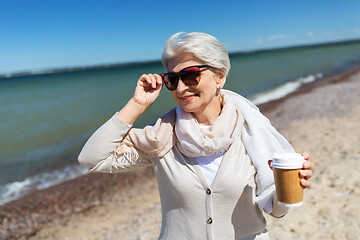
x=147, y=89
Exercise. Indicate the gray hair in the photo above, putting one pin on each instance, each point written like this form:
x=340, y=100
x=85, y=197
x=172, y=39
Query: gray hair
x=203, y=46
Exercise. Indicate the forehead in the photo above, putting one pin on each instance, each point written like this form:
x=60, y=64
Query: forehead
x=183, y=61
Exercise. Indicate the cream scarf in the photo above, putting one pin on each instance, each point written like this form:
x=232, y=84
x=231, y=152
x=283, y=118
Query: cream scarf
x=194, y=142
x=238, y=116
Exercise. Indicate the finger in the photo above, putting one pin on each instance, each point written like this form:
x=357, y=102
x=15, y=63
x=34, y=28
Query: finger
x=269, y=162
x=305, y=174
x=154, y=81
x=307, y=165
x=306, y=155
x=145, y=79
x=305, y=183
x=158, y=79
x=151, y=81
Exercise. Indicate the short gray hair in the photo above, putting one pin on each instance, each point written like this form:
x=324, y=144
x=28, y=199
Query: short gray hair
x=203, y=46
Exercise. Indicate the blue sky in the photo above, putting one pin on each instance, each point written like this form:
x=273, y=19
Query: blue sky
x=41, y=34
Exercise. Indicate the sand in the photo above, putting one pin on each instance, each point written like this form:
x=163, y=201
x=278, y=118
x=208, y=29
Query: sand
x=321, y=118
x=328, y=128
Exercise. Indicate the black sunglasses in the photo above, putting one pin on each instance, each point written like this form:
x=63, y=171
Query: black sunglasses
x=190, y=76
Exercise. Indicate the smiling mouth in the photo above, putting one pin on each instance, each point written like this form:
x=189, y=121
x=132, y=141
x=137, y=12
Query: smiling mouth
x=188, y=98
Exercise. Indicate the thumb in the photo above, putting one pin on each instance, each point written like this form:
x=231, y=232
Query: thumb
x=269, y=162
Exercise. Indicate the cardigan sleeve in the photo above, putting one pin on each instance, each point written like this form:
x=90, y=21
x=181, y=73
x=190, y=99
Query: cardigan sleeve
x=279, y=211
x=110, y=149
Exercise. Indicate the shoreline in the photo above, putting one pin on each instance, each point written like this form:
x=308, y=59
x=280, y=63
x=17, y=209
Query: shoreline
x=25, y=216
x=54, y=205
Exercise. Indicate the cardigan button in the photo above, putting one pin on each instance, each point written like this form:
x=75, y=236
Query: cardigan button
x=208, y=191
x=209, y=221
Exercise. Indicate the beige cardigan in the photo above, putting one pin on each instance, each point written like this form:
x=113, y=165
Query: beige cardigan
x=191, y=209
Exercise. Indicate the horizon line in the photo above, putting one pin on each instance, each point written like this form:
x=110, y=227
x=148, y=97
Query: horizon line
x=53, y=70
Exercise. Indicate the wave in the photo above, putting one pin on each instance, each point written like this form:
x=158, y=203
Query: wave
x=15, y=190
x=283, y=90
x=31, y=73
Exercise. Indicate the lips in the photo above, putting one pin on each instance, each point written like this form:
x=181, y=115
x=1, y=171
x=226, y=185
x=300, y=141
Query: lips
x=188, y=97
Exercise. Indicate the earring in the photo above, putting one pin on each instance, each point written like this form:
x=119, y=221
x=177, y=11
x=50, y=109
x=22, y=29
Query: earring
x=218, y=90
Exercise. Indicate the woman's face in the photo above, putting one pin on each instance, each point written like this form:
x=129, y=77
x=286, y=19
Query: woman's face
x=202, y=99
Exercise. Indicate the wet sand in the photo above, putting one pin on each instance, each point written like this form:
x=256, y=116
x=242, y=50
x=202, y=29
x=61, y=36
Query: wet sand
x=321, y=118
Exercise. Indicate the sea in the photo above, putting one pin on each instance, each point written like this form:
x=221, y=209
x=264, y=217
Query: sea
x=47, y=116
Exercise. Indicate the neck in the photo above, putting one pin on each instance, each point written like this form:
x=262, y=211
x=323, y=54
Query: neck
x=210, y=113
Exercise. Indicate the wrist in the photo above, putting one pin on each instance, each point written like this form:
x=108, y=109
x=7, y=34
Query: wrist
x=137, y=106
x=131, y=111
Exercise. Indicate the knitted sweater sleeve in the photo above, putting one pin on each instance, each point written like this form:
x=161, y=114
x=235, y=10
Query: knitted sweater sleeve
x=110, y=149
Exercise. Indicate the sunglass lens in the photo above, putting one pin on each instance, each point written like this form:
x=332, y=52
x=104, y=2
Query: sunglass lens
x=190, y=76
x=171, y=81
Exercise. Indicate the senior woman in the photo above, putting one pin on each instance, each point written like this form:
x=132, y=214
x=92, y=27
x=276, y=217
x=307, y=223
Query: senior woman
x=210, y=153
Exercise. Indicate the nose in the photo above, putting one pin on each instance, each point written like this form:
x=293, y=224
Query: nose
x=181, y=86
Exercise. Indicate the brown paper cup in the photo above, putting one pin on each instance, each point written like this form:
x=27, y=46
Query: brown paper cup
x=288, y=189
x=286, y=167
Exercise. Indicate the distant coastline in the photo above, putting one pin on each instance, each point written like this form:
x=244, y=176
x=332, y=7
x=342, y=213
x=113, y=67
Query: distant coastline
x=76, y=69
x=303, y=46
x=48, y=71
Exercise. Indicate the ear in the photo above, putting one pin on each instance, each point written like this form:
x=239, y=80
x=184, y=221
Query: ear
x=220, y=82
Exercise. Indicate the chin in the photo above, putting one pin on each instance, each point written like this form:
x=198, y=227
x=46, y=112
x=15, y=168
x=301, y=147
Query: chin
x=186, y=108
x=189, y=109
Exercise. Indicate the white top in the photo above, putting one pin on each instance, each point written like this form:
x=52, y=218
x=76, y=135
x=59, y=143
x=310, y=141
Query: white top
x=209, y=165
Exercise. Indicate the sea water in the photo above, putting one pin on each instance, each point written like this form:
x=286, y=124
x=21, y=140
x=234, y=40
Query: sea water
x=46, y=117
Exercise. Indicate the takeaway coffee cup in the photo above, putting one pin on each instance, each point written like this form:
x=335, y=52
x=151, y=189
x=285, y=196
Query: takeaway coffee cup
x=286, y=167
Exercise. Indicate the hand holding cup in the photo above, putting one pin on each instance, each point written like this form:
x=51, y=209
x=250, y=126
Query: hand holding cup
x=291, y=174
x=305, y=172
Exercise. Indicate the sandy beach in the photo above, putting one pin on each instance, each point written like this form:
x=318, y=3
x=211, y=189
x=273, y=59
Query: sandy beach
x=324, y=122
x=321, y=118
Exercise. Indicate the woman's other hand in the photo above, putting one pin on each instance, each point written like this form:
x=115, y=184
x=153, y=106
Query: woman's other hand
x=305, y=173
x=147, y=89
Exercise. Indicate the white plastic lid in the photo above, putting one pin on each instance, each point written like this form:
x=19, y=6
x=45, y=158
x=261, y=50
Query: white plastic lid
x=287, y=160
